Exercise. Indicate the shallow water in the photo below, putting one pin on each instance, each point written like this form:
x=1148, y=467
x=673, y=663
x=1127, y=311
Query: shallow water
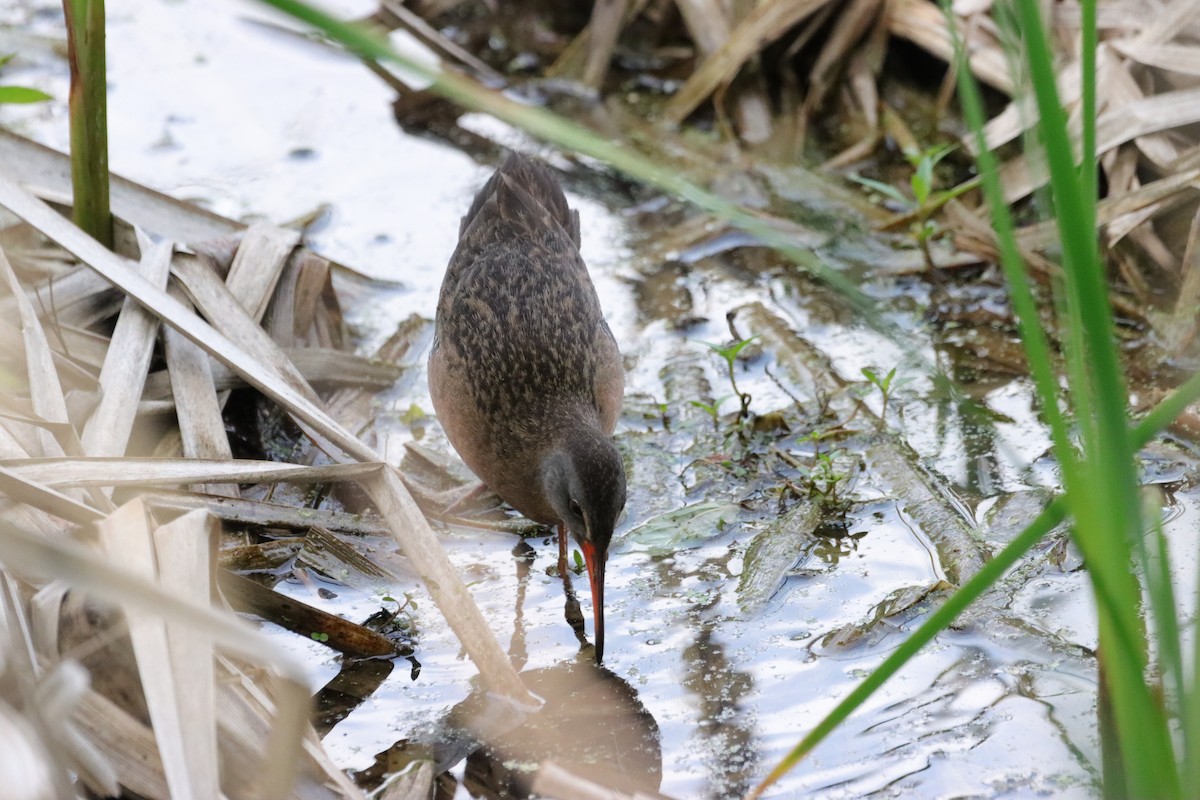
x=209, y=106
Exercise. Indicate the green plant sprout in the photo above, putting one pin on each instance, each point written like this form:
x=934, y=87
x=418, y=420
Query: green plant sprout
x=413, y=414
x=822, y=480
x=925, y=201
x=884, y=385
x=713, y=409
x=392, y=620
x=730, y=353
x=409, y=603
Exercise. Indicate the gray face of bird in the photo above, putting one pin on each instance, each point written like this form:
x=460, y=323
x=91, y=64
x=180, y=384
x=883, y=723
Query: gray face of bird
x=585, y=483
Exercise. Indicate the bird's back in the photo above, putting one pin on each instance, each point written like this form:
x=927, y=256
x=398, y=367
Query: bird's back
x=521, y=347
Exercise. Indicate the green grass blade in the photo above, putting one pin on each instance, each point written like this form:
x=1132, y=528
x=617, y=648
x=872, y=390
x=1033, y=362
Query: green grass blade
x=368, y=44
x=1190, y=723
x=1156, y=563
x=1087, y=165
x=1033, y=338
x=460, y=89
x=1104, y=495
x=88, y=109
x=885, y=189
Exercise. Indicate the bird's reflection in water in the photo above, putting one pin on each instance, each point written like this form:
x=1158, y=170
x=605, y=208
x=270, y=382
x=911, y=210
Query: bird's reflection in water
x=592, y=724
x=523, y=556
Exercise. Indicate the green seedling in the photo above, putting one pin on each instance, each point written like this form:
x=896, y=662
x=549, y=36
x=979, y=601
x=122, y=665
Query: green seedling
x=923, y=162
x=579, y=563
x=713, y=409
x=397, y=620
x=822, y=479
x=925, y=200
x=729, y=354
x=884, y=385
x=408, y=603
x=823, y=476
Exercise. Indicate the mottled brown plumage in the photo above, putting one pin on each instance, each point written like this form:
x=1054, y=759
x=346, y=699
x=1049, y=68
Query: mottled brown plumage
x=525, y=374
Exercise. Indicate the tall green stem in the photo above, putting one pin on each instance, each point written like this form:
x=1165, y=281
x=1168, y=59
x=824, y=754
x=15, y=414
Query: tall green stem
x=89, y=117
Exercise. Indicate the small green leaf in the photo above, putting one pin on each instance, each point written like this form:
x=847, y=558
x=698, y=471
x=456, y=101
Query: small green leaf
x=719, y=349
x=933, y=154
x=738, y=347
x=936, y=154
x=729, y=352
x=884, y=384
x=22, y=94
x=713, y=408
x=414, y=414
x=319, y=637
x=922, y=183
x=884, y=189
x=942, y=197
x=579, y=564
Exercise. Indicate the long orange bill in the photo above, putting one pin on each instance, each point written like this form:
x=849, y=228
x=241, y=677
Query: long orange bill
x=595, y=568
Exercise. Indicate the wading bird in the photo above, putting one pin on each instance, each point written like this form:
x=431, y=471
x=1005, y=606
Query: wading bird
x=525, y=375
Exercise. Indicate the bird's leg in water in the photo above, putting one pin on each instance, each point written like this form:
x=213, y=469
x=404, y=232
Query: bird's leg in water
x=571, y=610
x=562, y=549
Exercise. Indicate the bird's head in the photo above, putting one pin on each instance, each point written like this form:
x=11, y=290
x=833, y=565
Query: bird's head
x=584, y=480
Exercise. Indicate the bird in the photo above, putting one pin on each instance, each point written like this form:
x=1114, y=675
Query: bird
x=524, y=373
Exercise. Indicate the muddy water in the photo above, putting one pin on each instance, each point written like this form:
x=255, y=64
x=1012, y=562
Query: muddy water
x=737, y=615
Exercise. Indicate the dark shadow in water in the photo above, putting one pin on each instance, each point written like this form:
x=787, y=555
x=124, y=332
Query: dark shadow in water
x=523, y=554
x=592, y=723
x=357, y=680
x=727, y=734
